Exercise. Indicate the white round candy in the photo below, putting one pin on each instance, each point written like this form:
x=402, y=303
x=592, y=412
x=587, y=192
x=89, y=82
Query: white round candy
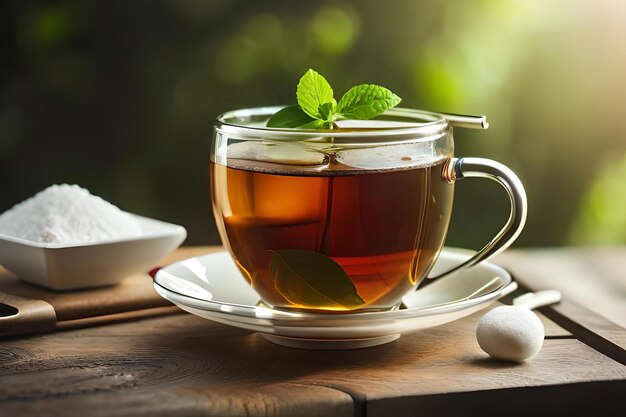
x=510, y=333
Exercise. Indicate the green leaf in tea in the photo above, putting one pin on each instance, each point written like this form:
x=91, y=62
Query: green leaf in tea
x=311, y=279
x=317, y=109
x=365, y=101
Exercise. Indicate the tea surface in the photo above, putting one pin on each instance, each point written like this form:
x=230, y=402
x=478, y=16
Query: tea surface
x=291, y=231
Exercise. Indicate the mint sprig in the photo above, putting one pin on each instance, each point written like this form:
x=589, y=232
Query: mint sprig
x=317, y=109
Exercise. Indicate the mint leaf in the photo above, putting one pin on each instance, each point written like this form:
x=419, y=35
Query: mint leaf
x=327, y=110
x=315, y=124
x=292, y=116
x=366, y=101
x=313, y=90
x=317, y=109
x=311, y=279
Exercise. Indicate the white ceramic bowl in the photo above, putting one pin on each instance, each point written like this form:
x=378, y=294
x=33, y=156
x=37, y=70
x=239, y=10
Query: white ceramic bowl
x=84, y=265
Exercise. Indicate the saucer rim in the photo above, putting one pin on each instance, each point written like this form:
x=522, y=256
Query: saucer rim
x=250, y=311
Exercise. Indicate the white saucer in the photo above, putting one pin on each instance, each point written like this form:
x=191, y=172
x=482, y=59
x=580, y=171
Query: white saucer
x=212, y=287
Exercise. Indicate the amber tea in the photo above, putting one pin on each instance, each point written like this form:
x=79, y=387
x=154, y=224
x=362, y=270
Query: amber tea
x=337, y=239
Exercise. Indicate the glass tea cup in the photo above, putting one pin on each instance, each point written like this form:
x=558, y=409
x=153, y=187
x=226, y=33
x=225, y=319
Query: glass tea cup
x=349, y=219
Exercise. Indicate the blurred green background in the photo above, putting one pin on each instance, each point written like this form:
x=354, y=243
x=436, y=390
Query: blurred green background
x=120, y=97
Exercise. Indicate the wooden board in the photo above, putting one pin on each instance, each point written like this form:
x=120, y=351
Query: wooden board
x=176, y=365
x=180, y=365
x=593, y=277
x=593, y=284
x=44, y=310
x=184, y=365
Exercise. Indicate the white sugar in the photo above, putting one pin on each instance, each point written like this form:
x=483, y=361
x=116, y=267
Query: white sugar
x=67, y=214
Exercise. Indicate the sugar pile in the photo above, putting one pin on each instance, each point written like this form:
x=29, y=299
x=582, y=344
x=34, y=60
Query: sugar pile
x=67, y=214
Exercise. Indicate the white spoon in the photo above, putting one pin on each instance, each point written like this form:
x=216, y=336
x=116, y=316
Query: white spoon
x=532, y=300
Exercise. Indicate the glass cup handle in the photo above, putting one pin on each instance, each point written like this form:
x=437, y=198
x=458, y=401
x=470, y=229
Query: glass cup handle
x=486, y=168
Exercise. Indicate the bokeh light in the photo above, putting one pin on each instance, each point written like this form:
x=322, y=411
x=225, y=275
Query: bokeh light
x=120, y=97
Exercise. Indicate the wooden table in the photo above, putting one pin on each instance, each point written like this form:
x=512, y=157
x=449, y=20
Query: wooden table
x=183, y=365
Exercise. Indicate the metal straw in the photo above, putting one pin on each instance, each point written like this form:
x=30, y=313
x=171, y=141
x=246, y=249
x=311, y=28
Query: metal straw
x=463, y=120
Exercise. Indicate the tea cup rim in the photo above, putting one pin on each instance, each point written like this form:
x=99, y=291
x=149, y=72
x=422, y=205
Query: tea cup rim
x=432, y=126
